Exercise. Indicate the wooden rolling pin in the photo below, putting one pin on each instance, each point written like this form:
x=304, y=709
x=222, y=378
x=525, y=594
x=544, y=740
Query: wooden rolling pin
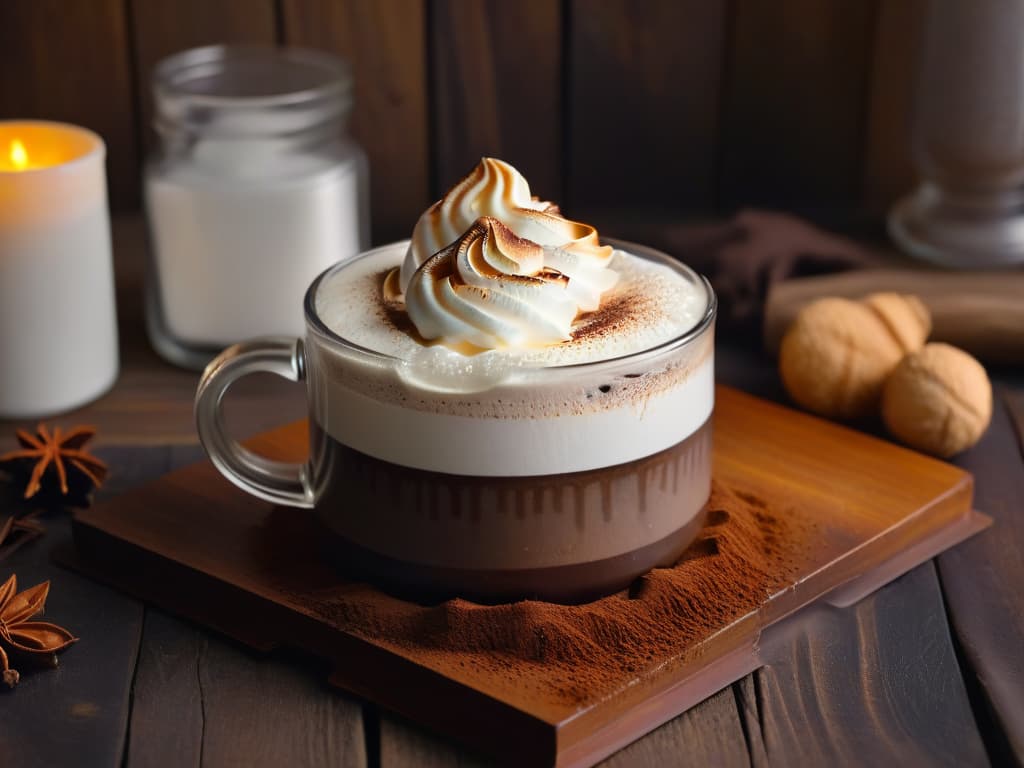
x=981, y=312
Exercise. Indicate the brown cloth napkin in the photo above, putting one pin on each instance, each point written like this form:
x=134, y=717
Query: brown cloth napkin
x=766, y=265
x=756, y=249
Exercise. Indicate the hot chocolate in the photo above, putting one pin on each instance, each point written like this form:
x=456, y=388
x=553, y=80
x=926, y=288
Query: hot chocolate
x=562, y=537
x=513, y=410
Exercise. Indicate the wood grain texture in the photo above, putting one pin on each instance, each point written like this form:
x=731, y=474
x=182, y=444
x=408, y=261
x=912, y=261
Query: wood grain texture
x=888, y=169
x=794, y=103
x=80, y=709
x=403, y=743
x=84, y=743
x=385, y=41
x=644, y=81
x=250, y=576
x=671, y=103
x=496, y=72
x=167, y=680
x=233, y=708
x=146, y=694
x=982, y=580
x=709, y=734
x=69, y=62
x=78, y=713
x=843, y=686
x=163, y=27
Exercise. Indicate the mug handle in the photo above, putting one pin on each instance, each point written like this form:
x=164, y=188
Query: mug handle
x=275, y=481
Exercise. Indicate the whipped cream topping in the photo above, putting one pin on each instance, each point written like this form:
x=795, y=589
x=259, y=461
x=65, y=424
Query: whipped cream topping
x=490, y=267
x=493, y=188
x=491, y=289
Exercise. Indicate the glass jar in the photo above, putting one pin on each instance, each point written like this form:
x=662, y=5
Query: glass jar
x=254, y=189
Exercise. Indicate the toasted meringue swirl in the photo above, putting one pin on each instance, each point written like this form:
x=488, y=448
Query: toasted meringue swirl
x=496, y=189
x=492, y=289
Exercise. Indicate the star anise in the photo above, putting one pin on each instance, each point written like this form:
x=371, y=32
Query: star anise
x=36, y=638
x=17, y=531
x=55, y=456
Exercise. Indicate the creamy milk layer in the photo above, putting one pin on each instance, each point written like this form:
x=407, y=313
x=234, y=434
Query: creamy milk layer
x=506, y=412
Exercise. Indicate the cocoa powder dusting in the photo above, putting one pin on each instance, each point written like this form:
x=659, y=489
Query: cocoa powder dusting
x=391, y=311
x=572, y=655
x=611, y=316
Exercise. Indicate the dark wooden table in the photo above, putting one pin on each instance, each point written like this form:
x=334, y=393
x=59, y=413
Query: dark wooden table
x=927, y=671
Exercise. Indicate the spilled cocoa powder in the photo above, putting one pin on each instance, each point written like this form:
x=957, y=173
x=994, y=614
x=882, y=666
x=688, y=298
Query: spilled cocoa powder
x=574, y=654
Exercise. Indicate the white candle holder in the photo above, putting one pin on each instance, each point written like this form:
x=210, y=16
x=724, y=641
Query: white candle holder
x=58, y=324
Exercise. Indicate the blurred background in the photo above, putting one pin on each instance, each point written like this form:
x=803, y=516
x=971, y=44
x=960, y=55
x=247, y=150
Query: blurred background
x=618, y=109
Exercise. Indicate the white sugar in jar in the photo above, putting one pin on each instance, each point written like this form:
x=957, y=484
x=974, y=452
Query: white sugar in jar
x=254, y=190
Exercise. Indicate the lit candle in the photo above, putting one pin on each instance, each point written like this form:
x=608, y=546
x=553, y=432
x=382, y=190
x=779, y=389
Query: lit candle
x=58, y=329
x=18, y=156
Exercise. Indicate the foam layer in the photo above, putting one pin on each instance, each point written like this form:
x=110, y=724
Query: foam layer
x=649, y=305
x=506, y=413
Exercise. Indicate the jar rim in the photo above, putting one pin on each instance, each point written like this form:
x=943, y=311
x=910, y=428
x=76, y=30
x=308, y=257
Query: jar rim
x=698, y=330
x=173, y=73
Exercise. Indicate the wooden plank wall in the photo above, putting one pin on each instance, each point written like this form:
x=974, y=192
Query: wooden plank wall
x=680, y=107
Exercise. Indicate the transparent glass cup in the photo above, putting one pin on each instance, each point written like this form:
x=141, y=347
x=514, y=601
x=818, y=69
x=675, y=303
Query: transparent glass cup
x=561, y=483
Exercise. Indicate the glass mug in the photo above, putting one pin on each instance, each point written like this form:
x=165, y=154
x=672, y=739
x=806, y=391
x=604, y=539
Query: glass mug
x=561, y=483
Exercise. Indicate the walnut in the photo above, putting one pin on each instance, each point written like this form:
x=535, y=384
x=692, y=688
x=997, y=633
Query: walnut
x=938, y=400
x=836, y=355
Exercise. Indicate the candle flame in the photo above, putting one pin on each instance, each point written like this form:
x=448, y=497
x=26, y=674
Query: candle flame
x=19, y=155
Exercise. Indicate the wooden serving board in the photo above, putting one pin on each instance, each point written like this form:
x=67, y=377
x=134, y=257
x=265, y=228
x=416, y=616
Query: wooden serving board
x=855, y=512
